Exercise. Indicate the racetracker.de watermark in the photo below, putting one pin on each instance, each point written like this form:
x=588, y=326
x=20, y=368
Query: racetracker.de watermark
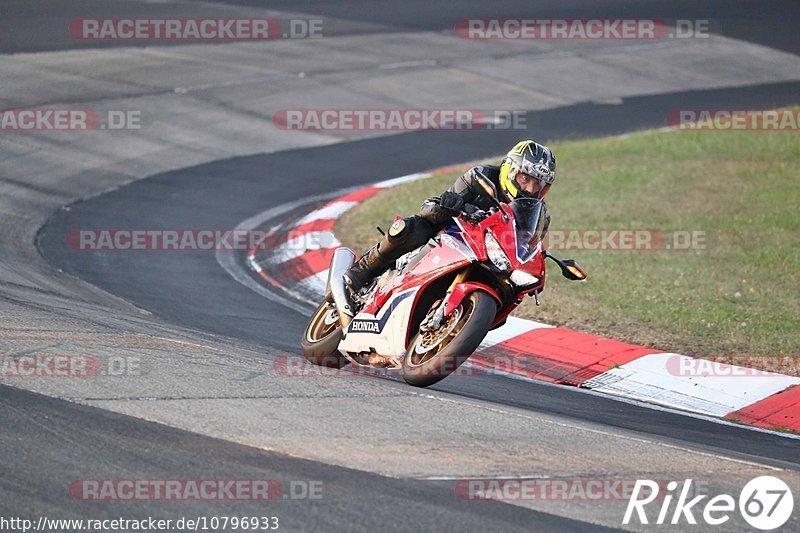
x=194, y=489
x=69, y=119
x=623, y=240
x=581, y=29
x=740, y=367
x=38, y=365
x=194, y=29
x=638, y=240
x=398, y=119
x=555, y=489
x=297, y=366
x=165, y=239
x=734, y=119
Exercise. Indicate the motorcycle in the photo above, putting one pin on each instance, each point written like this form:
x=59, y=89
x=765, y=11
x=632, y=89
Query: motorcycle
x=430, y=312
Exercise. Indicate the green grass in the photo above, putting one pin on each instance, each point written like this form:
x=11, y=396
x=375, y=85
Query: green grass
x=737, y=297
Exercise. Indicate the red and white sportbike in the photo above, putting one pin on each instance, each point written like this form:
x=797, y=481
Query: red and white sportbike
x=432, y=310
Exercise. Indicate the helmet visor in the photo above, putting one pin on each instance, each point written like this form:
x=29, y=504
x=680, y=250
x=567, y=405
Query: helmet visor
x=531, y=186
x=538, y=171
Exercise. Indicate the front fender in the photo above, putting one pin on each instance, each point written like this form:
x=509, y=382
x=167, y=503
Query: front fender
x=462, y=290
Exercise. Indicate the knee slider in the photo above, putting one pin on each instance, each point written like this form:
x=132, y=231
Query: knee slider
x=405, y=235
x=400, y=228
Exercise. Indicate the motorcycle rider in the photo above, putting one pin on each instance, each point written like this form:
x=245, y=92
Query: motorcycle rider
x=527, y=171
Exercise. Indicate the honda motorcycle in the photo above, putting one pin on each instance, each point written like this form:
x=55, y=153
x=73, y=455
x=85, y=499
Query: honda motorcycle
x=430, y=312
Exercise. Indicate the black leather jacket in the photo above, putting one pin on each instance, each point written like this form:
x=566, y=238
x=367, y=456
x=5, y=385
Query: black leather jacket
x=472, y=192
x=466, y=186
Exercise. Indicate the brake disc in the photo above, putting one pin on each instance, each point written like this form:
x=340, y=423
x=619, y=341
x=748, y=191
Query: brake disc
x=431, y=339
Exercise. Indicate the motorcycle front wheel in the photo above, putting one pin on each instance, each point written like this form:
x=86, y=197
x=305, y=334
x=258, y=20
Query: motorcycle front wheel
x=434, y=355
x=322, y=335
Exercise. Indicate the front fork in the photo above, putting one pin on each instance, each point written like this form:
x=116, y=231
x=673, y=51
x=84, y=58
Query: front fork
x=442, y=308
x=458, y=290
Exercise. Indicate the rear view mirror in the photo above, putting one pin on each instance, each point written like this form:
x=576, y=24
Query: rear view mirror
x=485, y=185
x=572, y=270
x=480, y=185
x=569, y=268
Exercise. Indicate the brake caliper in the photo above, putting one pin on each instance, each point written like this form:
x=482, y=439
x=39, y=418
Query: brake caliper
x=433, y=320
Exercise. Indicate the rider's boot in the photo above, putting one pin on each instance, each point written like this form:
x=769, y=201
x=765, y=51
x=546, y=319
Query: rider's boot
x=371, y=264
x=403, y=236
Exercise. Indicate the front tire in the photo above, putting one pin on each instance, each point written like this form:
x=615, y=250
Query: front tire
x=322, y=335
x=432, y=356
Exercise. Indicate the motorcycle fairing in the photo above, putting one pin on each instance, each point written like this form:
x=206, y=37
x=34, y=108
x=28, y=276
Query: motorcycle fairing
x=452, y=236
x=388, y=335
x=385, y=335
x=435, y=263
x=376, y=325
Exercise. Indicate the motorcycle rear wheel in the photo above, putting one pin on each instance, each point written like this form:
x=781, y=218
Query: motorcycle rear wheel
x=432, y=356
x=321, y=337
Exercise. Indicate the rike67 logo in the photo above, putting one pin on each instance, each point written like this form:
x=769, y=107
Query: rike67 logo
x=766, y=503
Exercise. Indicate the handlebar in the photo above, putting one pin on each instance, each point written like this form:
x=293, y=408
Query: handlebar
x=474, y=214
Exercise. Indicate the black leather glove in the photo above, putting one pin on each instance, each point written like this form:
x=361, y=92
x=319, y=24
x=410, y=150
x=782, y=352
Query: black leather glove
x=451, y=201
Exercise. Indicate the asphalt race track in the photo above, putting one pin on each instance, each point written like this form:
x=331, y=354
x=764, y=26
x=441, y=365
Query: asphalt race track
x=102, y=438
x=203, y=297
x=222, y=193
x=209, y=403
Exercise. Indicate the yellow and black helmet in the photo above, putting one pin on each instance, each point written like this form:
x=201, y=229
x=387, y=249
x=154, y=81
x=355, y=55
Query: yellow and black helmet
x=532, y=159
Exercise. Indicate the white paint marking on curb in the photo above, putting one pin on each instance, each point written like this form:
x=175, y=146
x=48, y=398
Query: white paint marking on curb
x=656, y=378
x=227, y=258
x=385, y=184
x=314, y=284
x=297, y=246
x=512, y=328
x=251, y=260
x=331, y=211
x=641, y=403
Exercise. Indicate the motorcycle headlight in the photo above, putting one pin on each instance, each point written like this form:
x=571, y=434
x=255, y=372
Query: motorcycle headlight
x=496, y=254
x=522, y=279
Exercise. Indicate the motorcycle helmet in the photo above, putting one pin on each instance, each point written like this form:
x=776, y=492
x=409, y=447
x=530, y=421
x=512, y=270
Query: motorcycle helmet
x=529, y=165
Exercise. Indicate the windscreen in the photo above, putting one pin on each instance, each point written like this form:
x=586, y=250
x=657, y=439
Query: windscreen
x=530, y=223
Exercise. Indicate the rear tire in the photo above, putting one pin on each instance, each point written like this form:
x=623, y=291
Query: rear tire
x=322, y=335
x=430, y=359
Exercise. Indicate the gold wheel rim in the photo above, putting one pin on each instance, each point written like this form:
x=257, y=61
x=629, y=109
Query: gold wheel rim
x=429, y=344
x=325, y=322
